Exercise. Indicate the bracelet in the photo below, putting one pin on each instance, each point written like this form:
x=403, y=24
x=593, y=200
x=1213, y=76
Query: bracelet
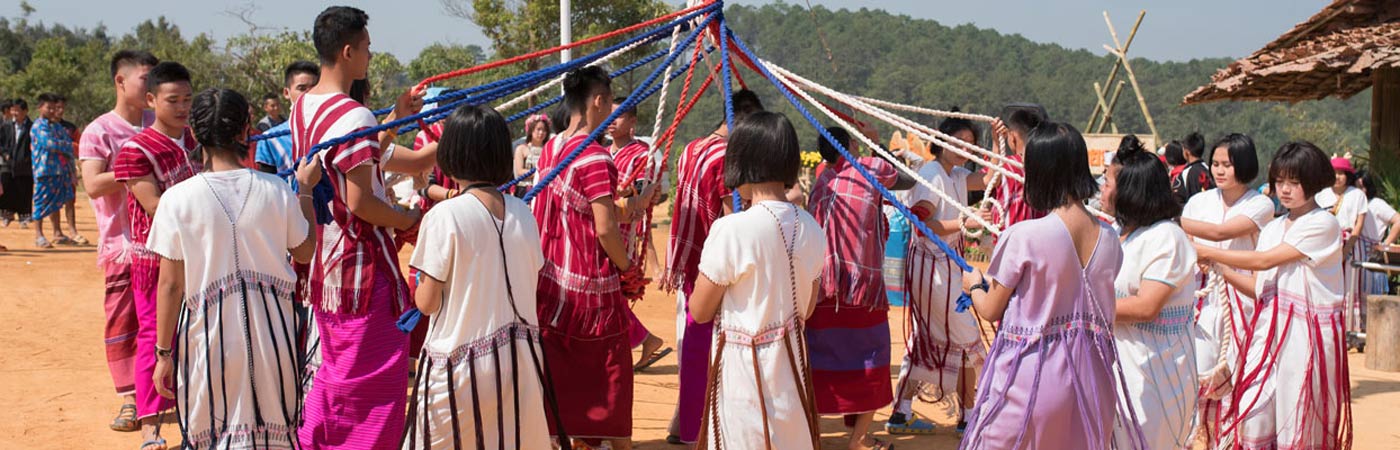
x=980, y=286
x=163, y=352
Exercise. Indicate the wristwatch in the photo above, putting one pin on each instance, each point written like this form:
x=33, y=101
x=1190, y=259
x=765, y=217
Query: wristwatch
x=162, y=352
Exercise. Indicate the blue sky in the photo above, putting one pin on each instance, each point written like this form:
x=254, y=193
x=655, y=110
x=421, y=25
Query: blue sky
x=1173, y=30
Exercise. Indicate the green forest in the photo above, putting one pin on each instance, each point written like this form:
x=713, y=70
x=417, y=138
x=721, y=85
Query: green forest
x=873, y=53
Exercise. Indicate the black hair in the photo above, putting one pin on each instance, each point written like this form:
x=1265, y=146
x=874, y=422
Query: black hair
x=745, y=102
x=219, y=118
x=1370, y=185
x=1129, y=144
x=1240, y=147
x=1057, y=167
x=1174, y=154
x=1024, y=117
x=1302, y=161
x=582, y=84
x=559, y=119
x=475, y=145
x=828, y=151
x=1144, y=194
x=618, y=101
x=762, y=148
x=50, y=97
x=300, y=67
x=166, y=72
x=359, y=91
x=5, y=104
x=1193, y=144
x=132, y=58
x=335, y=28
x=1351, y=176
x=951, y=126
x=23, y=105
x=271, y=96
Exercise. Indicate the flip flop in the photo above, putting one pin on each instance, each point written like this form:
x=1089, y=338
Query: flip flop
x=64, y=240
x=80, y=240
x=126, y=419
x=655, y=356
x=158, y=442
x=42, y=243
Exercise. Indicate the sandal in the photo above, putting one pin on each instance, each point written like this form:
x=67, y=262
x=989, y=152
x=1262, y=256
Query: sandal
x=881, y=445
x=126, y=419
x=912, y=426
x=41, y=242
x=81, y=241
x=64, y=240
x=157, y=442
x=655, y=356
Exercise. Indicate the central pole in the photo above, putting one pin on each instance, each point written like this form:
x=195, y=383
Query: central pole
x=566, y=32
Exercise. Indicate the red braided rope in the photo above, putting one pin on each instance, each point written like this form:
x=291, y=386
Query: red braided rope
x=550, y=51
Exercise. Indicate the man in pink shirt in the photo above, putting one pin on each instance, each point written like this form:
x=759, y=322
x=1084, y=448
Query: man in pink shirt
x=97, y=151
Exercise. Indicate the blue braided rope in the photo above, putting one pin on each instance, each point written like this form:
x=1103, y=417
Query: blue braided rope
x=533, y=77
x=727, y=73
x=533, y=109
x=841, y=147
x=632, y=101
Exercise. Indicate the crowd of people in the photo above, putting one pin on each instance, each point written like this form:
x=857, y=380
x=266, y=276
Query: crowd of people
x=262, y=300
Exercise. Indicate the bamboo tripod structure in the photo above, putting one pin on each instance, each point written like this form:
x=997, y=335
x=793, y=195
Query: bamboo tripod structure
x=1102, y=116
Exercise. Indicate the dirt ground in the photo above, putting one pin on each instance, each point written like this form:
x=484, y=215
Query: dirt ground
x=59, y=395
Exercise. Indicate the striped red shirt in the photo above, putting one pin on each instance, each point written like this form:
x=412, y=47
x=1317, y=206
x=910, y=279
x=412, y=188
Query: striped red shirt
x=1012, y=194
x=352, y=252
x=169, y=161
x=700, y=197
x=579, y=291
x=633, y=159
x=849, y=209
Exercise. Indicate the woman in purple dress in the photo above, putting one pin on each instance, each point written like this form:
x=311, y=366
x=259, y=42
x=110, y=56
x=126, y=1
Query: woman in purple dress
x=1050, y=374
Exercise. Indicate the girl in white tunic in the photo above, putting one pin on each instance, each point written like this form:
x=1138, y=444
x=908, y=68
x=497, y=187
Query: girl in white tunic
x=1227, y=217
x=1348, y=204
x=944, y=344
x=1380, y=216
x=1154, y=325
x=1292, y=389
x=223, y=237
x=758, y=282
x=479, y=377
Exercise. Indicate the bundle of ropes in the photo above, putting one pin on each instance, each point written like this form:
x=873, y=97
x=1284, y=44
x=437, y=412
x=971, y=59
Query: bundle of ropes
x=703, y=23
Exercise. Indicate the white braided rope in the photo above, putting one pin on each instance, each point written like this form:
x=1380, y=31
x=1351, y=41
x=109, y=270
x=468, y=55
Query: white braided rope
x=665, y=86
x=935, y=137
x=560, y=79
x=785, y=76
x=999, y=156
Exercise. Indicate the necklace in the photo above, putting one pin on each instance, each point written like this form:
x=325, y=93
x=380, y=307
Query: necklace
x=787, y=246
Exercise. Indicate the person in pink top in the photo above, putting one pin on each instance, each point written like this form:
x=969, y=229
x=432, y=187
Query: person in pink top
x=97, y=153
x=150, y=163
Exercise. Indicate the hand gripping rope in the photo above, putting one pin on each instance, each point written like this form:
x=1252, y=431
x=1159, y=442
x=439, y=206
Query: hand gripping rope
x=840, y=147
x=497, y=89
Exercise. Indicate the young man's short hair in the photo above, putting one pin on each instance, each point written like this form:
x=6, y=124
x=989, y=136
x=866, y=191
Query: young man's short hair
x=23, y=105
x=1024, y=117
x=166, y=72
x=48, y=98
x=132, y=58
x=335, y=28
x=300, y=67
x=271, y=96
x=618, y=101
x=745, y=102
x=828, y=151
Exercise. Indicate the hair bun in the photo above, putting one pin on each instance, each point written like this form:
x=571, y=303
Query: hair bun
x=1130, y=145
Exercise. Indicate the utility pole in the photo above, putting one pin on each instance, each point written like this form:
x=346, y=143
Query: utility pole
x=566, y=32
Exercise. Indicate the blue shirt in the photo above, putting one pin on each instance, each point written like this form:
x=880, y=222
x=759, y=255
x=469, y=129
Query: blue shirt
x=53, y=149
x=277, y=152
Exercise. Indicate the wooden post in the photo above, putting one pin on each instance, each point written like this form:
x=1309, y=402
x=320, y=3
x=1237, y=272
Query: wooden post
x=1127, y=67
x=1112, y=106
x=1383, y=333
x=1385, y=127
x=1113, y=73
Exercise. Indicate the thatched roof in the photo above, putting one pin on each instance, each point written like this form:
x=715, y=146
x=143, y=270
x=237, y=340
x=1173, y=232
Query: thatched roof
x=1331, y=54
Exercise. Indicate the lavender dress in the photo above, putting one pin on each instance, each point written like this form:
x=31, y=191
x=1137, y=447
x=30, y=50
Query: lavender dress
x=1050, y=375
